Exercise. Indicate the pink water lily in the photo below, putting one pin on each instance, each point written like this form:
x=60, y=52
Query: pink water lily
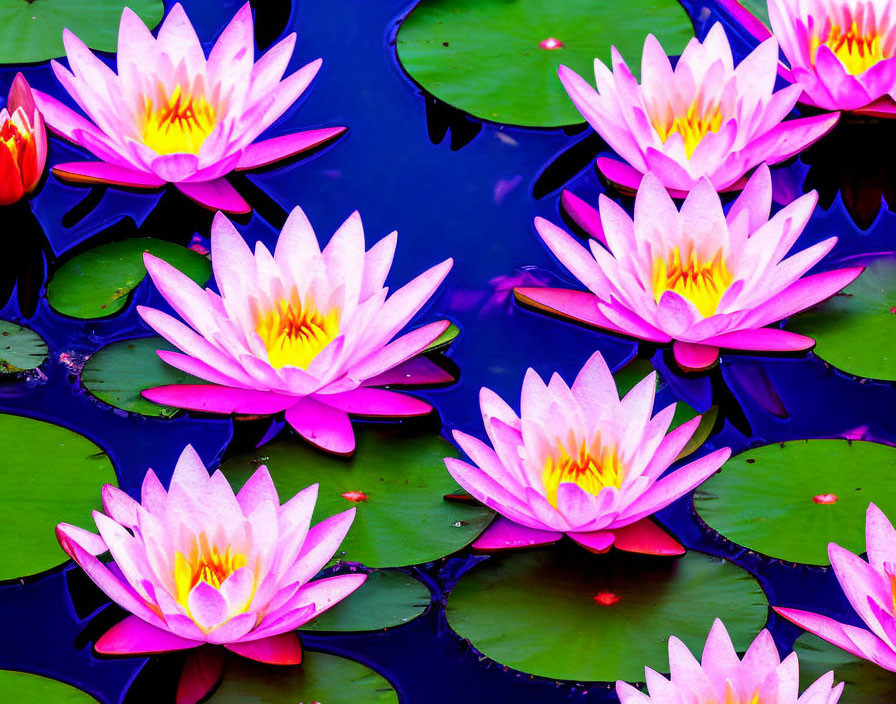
x=23, y=143
x=698, y=277
x=199, y=565
x=703, y=119
x=721, y=677
x=871, y=589
x=171, y=115
x=304, y=331
x=577, y=461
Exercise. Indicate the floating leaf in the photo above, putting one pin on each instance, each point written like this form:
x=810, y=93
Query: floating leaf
x=20, y=348
x=387, y=598
x=791, y=499
x=866, y=683
x=120, y=371
x=326, y=679
x=50, y=475
x=32, y=31
x=25, y=687
x=483, y=56
x=445, y=339
x=566, y=614
x=854, y=330
x=98, y=282
x=759, y=8
x=396, y=480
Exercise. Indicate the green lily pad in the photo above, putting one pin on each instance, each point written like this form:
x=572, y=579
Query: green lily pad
x=445, y=339
x=99, y=282
x=566, y=614
x=20, y=348
x=321, y=678
x=483, y=56
x=120, y=371
x=866, y=683
x=25, y=687
x=387, y=598
x=402, y=519
x=32, y=30
x=854, y=330
x=791, y=499
x=759, y=8
x=50, y=475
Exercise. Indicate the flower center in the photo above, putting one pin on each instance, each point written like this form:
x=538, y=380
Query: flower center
x=858, y=49
x=693, y=126
x=14, y=138
x=178, y=124
x=204, y=564
x=294, y=334
x=702, y=283
x=731, y=697
x=592, y=468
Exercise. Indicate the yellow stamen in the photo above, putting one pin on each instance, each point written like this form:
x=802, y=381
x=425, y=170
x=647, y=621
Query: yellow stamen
x=294, y=334
x=732, y=698
x=180, y=124
x=892, y=586
x=702, y=283
x=204, y=563
x=693, y=126
x=857, y=49
x=593, y=468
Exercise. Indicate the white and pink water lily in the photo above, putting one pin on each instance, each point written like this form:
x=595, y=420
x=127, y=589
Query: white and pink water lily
x=307, y=332
x=578, y=461
x=697, y=277
x=721, y=677
x=870, y=587
x=198, y=565
x=841, y=53
x=703, y=119
x=171, y=115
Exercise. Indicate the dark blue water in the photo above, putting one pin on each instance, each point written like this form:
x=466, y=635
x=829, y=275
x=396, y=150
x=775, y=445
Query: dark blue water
x=452, y=187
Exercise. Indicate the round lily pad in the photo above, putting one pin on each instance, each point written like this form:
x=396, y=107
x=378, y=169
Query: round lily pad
x=25, y=687
x=321, y=678
x=20, y=348
x=791, y=499
x=486, y=57
x=396, y=480
x=98, y=282
x=50, y=475
x=32, y=31
x=120, y=371
x=566, y=614
x=866, y=683
x=387, y=598
x=855, y=328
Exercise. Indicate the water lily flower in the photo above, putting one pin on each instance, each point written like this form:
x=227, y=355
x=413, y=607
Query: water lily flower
x=871, y=589
x=23, y=143
x=172, y=116
x=722, y=677
x=580, y=462
x=704, y=119
x=199, y=565
x=697, y=277
x=304, y=331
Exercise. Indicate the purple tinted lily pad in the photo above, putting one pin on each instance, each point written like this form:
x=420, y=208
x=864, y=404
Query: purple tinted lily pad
x=396, y=480
x=50, y=475
x=789, y=500
x=556, y=613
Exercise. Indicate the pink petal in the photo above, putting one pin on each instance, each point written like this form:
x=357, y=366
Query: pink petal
x=92, y=543
x=504, y=534
x=580, y=306
x=762, y=339
x=826, y=628
x=134, y=636
x=646, y=537
x=270, y=150
x=398, y=351
x=693, y=357
x=281, y=649
x=202, y=671
x=322, y=425
x=321, y=543
x=257, y=489
x=376, y=402
x=583, y=215
x=215, y=195
x=597, y=541
x=417, y=371
x=207, y=605
x=101, y=172
x=219, y=399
